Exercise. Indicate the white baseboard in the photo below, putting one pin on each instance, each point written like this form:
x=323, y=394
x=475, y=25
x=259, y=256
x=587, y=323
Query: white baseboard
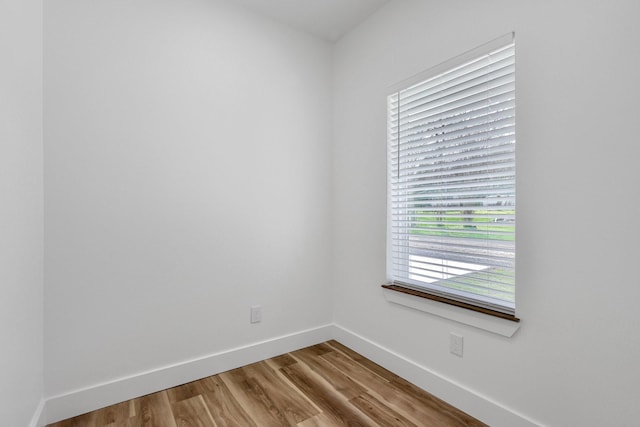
x=77, y=402
x=91, y=398
x=473, y=403
x=38, y=419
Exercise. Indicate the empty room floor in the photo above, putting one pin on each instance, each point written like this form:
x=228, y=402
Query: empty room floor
x=323, y=385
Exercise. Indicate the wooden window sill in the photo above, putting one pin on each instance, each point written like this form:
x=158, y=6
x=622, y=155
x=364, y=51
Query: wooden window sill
x=498, y=323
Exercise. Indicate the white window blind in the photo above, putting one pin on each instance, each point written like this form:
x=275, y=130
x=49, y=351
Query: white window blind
x=452, y=192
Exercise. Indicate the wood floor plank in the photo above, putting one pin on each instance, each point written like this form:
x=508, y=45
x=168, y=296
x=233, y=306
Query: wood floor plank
x=318, y=349
x=290, y=386
x=114, y=414
x=381, y=413
x=133, y=417
x=366, y=378
x=192, y=412
x=186, y=391
x=134, y=408
x=155, y=410
x=454, y=416
x=283, y=360
x=409, y=407
x=321, y=420
x=254, y=399
x=333, y=403
x=419, y=407
x=289, y=401
x=134, y=421
x=341, y=382
x=224, y=408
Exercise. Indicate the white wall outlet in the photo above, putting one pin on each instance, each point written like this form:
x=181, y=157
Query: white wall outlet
x=455, y=344
x=256, y=314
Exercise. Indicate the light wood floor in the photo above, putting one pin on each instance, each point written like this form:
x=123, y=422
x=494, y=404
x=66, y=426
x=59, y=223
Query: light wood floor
x=320, y=386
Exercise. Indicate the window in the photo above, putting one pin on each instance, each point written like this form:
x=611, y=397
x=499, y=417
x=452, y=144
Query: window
x=452, y=182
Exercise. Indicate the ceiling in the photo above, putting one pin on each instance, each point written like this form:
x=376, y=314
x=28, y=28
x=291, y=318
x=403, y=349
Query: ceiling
x=328, y=19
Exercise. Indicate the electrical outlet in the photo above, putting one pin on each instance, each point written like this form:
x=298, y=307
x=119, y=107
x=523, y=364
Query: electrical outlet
x=455, y=344
x=256, y=314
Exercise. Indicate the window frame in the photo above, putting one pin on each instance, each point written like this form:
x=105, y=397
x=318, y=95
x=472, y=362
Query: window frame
x=409, y=290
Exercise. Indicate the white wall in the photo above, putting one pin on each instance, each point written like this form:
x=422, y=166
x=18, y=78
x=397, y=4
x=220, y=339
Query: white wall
x=187, y=177
x=157, y=243
x=575, y=359
x=20, y=210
